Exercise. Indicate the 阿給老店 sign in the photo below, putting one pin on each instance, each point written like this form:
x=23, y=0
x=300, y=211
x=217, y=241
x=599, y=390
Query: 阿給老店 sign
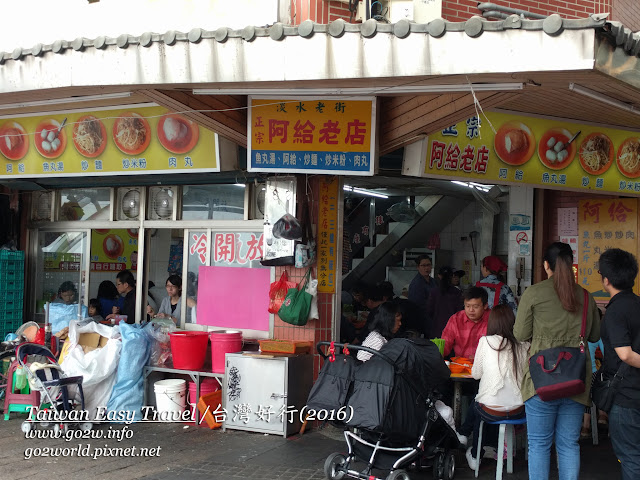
x=538, y=151
x=131, y=140
x=333, y=136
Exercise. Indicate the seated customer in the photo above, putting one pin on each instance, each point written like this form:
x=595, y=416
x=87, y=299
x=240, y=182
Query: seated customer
x=464, y=329
x=498, y=364
x=67, y=293
x=94, y=310
x=383, y=326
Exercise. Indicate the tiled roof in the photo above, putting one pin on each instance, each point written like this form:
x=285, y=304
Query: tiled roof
x=474, y=27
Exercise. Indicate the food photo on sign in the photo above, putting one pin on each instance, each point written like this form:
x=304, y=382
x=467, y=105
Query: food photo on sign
x=114, y=249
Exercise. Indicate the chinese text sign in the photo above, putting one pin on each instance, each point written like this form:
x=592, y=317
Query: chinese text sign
x=604, y=224
x=328, y=235
x=333, y=136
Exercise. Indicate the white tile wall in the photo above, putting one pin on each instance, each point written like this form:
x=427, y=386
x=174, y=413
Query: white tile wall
x=468, y=220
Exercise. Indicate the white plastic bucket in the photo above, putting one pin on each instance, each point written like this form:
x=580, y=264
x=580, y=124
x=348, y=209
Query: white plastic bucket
x=171, y=396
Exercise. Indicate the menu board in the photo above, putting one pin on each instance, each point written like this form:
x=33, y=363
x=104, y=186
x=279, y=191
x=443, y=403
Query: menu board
x=114, y=249
x=312, y=135
x=106, y=142
x=328, y=232
x=544, y=152
x=604, y=224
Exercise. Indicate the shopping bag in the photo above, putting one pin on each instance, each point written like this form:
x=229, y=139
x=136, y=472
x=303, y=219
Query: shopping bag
x=312, y=289
x=604, y=389
x=297, y=303
x=278, y=291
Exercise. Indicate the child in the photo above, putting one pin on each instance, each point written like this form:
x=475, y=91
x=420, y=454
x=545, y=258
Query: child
x=498, y=365
x=94, y=310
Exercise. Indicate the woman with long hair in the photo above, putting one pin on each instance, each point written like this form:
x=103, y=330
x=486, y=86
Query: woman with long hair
x=109, y=298
x=170, y=306
x=442, y=303
x=385, y=324
x=550, y=315
x=498, y=364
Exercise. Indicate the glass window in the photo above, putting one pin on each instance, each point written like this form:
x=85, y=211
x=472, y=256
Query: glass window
x=213, y=202
x=60, y=274
x=230, y=249
x=84, y=204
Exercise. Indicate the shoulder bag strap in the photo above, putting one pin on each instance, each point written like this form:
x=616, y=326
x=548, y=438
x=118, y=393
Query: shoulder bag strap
x=497, y=287
x=583, y=328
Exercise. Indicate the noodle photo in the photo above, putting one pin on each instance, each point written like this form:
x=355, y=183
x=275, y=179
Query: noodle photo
x=89, y=136
x=131, y=133
x=596, y=153
x=629, y=158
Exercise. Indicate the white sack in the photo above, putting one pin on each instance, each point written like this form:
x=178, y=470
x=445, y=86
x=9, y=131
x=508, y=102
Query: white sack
x=312, y=288
x=97, y=367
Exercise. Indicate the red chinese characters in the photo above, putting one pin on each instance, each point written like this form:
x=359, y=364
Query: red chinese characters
x=450, y=157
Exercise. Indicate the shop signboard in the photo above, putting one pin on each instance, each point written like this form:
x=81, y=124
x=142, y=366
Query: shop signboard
x=134, y=140
x=57, y=261
x=328, y=232
x=602, y=224
x=228, y=249
x=312, y=135
x=114, y=250
x=511, y=149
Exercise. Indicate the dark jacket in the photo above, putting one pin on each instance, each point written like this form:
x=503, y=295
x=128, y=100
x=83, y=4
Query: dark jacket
x=440, y=307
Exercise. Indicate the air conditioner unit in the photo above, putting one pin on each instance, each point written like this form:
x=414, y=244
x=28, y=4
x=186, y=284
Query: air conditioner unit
x=257, y=196
x=41, y=207
x=129, y=203
x=161, y=203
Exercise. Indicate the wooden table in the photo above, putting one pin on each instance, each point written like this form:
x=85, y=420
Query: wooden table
x=458, y=379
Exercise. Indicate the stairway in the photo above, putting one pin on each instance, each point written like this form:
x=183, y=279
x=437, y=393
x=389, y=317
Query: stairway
x=435, y=212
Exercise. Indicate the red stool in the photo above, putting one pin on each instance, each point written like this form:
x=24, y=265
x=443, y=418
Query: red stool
x=18, y=402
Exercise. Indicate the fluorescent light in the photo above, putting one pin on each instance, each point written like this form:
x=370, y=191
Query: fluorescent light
x=240, y=185
x=59, y=101
x=478, y=186
x=363, y=191
x=603, y=98
x=395, y=89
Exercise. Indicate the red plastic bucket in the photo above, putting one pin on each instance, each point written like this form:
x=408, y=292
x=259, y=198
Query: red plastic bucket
x=208, y=385
x=189, y=349
x=222, y=342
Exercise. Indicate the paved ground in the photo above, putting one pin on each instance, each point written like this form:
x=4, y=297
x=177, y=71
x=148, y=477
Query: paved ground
x=196, y=453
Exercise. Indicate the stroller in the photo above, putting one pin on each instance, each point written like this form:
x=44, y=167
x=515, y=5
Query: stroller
x=57, y=392
x=388, y=404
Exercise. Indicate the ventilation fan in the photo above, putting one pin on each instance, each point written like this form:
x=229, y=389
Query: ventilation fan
x=161, y=203
x=128, y=203
x=42, y=202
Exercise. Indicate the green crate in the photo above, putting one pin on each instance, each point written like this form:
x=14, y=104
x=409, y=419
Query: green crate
x=11, y=265
x=14, y=295
x=9, y=255
x=10, y=326
x=11, y=315
x=11, y=285
x=8, y=275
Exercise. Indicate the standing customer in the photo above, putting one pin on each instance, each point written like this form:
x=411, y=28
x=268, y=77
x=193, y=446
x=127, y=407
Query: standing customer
x=620, y=332
x=498, y=291
x=421, y=286
x=443, y=303
x=550, y=315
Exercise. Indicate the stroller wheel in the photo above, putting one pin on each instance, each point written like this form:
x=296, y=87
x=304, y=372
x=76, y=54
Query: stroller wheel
x=334, y=462
x=398, y=475
x=86, y=426
x=438, y=466
x=58, y=428
x=26, y=427
x=449, y=466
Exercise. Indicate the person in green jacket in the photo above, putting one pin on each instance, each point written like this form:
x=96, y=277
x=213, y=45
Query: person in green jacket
x=550, y=315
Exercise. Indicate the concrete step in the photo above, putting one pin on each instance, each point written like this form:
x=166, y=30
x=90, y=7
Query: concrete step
x=368, y=250
x=393, y=225
x=380, y=237
x=355, y=262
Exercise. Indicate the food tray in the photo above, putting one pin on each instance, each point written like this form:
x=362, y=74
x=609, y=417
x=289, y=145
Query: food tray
x=285, y=346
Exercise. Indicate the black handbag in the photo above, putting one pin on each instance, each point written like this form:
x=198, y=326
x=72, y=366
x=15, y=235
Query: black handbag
x=560, y=372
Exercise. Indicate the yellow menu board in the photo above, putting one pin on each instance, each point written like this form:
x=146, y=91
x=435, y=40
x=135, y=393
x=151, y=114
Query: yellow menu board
x=604, y=224
x=544, y=152
x=114, y=249
x=106, y=142
x=328, y=234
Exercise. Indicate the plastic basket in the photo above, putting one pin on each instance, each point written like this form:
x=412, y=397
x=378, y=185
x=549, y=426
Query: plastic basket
x=11, y=315
x=14, y=295
x=9, y=326
x=11, y=275
x=285, y=346
x=9, y=255
x=11, y=285
x=11, y=265
x=210, y=408
x=440, y=343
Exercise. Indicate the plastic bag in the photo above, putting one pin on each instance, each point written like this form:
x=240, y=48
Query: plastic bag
x=278, y=291
x=312, y=289
x=160, y=343
x=305, y=254
x=288, y=227
x=128, y=391
x=97, y=367
x=61, y=314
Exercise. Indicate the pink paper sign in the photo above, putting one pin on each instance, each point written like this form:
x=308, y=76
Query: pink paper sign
x=234, y=297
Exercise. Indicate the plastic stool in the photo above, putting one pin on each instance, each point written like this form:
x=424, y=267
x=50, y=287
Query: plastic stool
x=506, y=426
x=18, y=402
